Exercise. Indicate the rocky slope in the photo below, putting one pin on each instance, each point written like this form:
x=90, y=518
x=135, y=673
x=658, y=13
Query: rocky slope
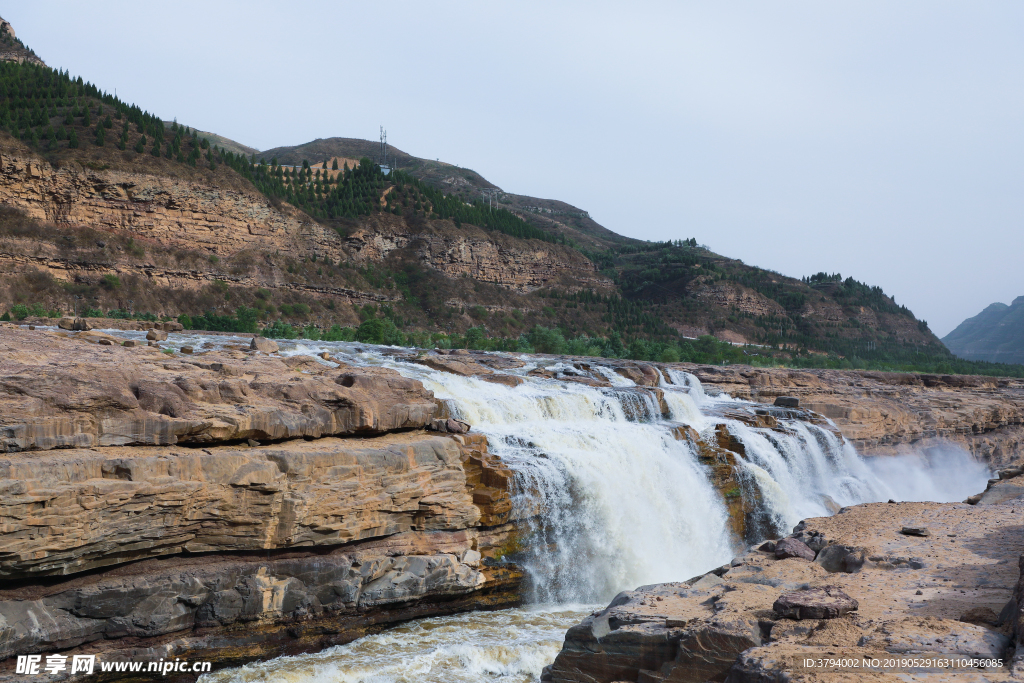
x=996, y=334
x=883, y=590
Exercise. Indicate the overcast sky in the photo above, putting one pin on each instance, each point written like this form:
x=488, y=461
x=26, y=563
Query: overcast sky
x=882, y=140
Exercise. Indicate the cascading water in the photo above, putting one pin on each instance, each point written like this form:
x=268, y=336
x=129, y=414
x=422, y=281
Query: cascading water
x=625, y=503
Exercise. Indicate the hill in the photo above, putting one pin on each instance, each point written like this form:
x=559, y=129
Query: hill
x=108, y=210
x=995, y=335
x=549, y=214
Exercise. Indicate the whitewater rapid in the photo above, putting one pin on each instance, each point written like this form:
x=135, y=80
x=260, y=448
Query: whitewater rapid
x=625, y=504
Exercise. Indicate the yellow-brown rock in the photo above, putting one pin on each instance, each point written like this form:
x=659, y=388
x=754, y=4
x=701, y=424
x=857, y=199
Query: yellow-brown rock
x=57, y=392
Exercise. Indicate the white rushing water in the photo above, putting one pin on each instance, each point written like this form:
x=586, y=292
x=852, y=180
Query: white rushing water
x=625, y=504
x=510, y=646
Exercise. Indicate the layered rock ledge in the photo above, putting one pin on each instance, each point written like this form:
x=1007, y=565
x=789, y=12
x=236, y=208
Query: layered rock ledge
x=889, y=582
x=231, y=505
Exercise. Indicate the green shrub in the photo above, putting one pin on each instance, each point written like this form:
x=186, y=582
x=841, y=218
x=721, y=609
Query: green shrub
x=669, y=355
x=547, y=340
x=380, y=331
x=110, y=281
x=19, y=311
x=244, y=320
x=338, y=333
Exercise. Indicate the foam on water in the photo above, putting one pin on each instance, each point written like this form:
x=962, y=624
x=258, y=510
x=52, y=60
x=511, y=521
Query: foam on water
x=506, y=646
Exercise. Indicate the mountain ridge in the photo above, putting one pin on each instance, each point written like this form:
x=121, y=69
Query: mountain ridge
x=994, y=335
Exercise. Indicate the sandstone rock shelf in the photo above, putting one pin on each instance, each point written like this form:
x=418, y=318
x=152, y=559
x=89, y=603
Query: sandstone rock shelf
x=206, y=506
x=869, y=592
x=56, y=391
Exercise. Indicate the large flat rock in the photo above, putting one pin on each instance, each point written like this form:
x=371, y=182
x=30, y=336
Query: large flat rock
x=58, y=391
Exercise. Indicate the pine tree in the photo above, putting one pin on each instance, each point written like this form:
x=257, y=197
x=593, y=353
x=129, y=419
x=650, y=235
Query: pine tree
x=101, y=135
x=156, y=148
x=334, y=166
x=73, y=142
x=140, y=146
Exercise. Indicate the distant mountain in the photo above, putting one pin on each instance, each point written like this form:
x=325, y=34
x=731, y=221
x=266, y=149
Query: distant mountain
x=996, y=334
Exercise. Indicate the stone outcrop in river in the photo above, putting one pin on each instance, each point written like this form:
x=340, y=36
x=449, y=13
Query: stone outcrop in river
x=891, y=582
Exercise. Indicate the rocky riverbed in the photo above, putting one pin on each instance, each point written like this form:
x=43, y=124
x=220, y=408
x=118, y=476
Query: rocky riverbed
x=217, y=500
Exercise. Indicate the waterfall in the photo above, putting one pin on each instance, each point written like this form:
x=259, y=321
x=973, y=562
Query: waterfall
x=625, y=501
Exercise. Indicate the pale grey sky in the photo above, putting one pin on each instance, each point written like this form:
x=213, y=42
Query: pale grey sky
x=880, y=139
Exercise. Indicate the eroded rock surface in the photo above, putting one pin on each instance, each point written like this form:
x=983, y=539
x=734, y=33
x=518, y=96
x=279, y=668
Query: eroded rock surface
x=56, y=391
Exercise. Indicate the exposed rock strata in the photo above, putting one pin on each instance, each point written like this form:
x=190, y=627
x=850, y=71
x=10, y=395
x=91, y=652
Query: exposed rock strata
x=140, y=517
x=522, y=265
x=954, y=594
x=887, y=413
x=231, y=608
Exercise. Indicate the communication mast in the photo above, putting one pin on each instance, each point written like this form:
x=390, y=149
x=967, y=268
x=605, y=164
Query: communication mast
x=383, y=156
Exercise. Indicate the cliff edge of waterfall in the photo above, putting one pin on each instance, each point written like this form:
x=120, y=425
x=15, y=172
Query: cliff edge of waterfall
x=881, y=589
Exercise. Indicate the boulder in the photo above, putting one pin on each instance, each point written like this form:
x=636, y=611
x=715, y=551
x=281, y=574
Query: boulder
x=463, y=365
x=186, y=349
x=827, y=602
x=449, y=426
x=156, y=335
x=787, y=402
x=915, y=531
x=129, y=343
x=792, y=547
x=263, y=345
x=66, y=323
x=507, y=380
x=841, y=558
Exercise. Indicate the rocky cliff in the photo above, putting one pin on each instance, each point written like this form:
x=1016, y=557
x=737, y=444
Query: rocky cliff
x=230, y=505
